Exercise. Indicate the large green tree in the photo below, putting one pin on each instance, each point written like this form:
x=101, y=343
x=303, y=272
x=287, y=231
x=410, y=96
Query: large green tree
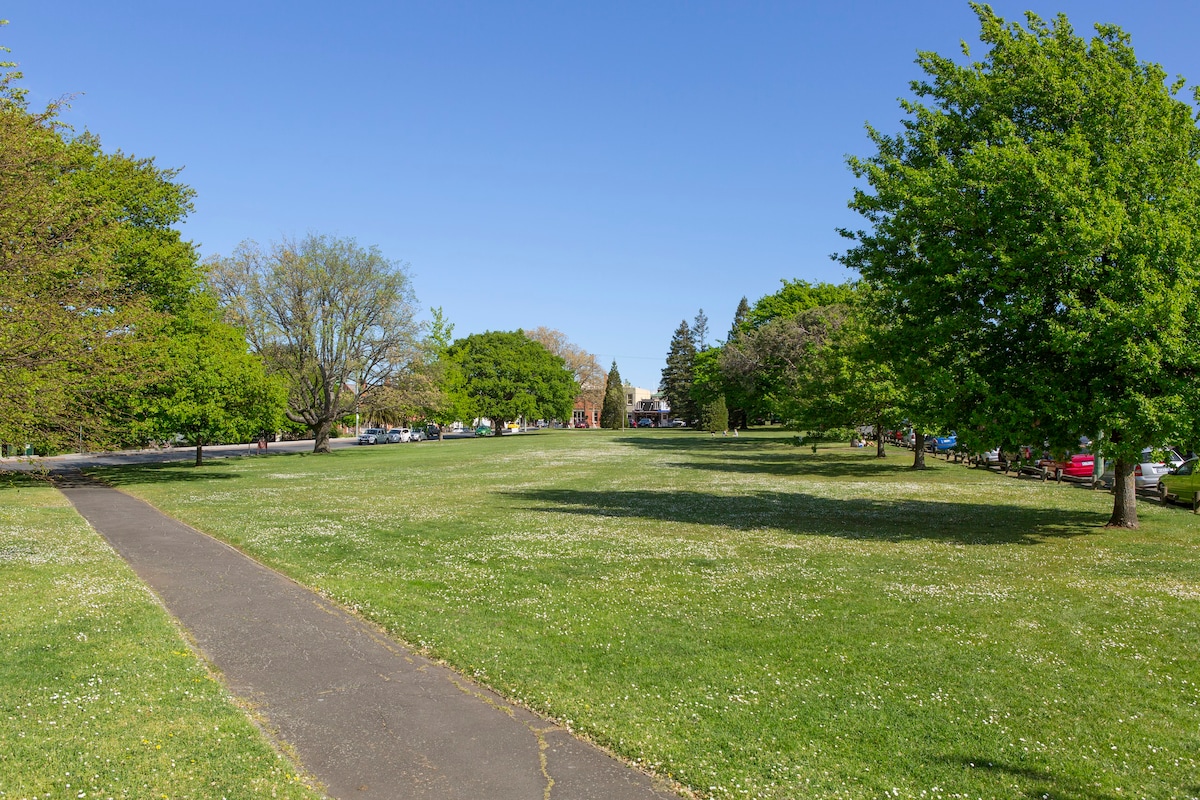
x=337, y=320
x=506, y=376
x=1032, y=231
x=90, y=262
x=583, y=365
x=208, y=387
x=848, y=381
x=761, y=361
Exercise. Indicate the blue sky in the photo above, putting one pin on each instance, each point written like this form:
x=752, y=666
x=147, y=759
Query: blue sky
x=605, y=169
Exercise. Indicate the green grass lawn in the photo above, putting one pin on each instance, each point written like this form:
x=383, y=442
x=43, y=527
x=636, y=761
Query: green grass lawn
x=752, y=619
x=100, y=695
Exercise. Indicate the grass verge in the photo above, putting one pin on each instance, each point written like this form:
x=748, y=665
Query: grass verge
x=100, y=696
x=752, y=619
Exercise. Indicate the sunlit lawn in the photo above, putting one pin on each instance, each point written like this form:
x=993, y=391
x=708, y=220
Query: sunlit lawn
x=755, y=620
x=100, y=695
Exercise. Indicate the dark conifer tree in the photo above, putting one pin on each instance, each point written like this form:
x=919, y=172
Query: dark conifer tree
x=738, y=418
x=678, y=374
x=739, y=317
x=612, y=413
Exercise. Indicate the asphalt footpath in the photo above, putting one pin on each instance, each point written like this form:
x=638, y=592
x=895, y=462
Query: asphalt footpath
x=365, y=716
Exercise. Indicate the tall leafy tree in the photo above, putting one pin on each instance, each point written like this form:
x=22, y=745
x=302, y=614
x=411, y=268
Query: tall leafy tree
x=1032, y=232
x=506, y=376
x=583, y=365
x=612, y=413
x=760, y=364
x=89, y=264
x=335, y=319
x=208, y=387
x=678, y=374
x=848, y=380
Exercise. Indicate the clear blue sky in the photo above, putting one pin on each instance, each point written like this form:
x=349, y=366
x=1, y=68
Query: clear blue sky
x=606, y=169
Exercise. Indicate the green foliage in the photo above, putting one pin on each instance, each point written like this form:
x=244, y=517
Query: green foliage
x=714, y=416
x=795, y=297
x=740, y=315
x=207, y=386
x=506, y=376
x=768, y=362
x=848, y=381
x=679, y=374
x=612, y=413
x=334, y=319
x=90, y=266
x=1032, y=233
x=440, y=335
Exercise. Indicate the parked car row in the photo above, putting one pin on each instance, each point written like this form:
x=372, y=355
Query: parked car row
x=397, y=435
x=1161, y=470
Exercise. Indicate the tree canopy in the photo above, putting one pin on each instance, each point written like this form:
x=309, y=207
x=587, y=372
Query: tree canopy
x=588, y=373
x=335, y=319
x=506, y=376
x=91, y=265
x=1032, y=234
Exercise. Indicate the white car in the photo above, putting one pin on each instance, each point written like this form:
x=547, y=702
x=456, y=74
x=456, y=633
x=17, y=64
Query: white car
x=396, y=435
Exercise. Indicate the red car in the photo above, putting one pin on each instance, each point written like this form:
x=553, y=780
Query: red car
x=1080, y=465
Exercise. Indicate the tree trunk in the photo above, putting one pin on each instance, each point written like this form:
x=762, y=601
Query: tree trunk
x=199, y=451
x=918, y=450
x=1124, y=514
x=880, y=450
x=321, y=436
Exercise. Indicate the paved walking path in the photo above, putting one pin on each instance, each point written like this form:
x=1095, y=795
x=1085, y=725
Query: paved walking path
x=365, y=716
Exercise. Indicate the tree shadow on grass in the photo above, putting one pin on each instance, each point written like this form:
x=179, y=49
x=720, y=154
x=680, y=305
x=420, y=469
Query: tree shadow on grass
x=802, y=464
x=169, y=472
x=703, y=442
x=801, y=513
x=1042, y=784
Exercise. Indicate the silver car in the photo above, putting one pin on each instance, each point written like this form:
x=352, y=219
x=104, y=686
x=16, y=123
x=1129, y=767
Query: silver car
x=373, y=436
x=1148, y=470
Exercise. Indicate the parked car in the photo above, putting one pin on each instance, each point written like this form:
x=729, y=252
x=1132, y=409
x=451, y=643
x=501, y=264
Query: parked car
x=483, y=430
x=396, y=435
x=679, y=423
x=1080, y=465
x=1182, y=484
x=416, y=435
x=940, y=444
x=373, y=436
x=432, y=431
x=1149, y=470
